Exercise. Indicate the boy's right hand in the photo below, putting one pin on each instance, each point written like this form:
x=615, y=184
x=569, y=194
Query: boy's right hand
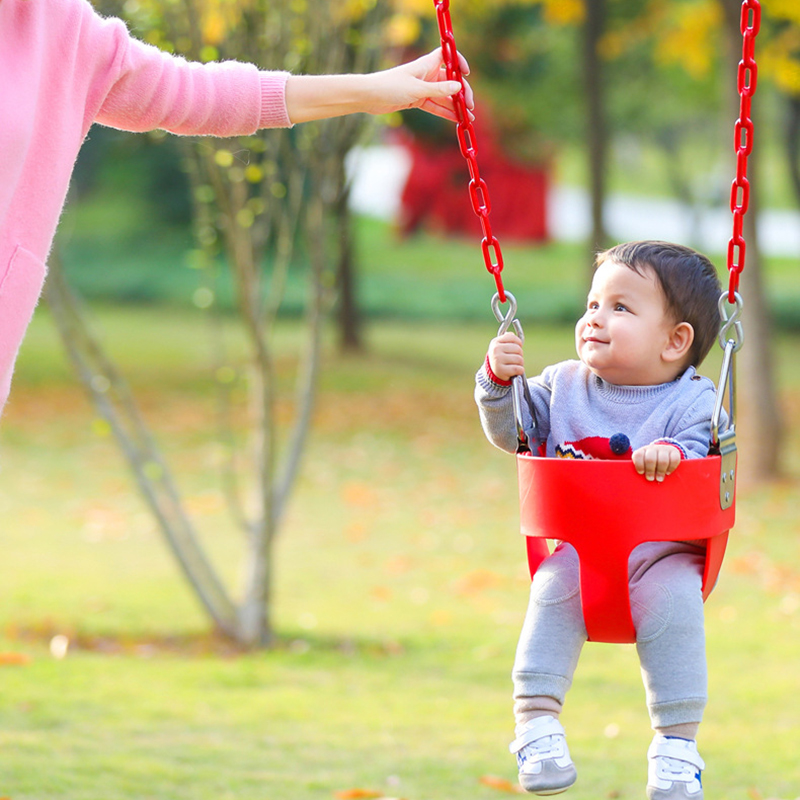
x=505, y=356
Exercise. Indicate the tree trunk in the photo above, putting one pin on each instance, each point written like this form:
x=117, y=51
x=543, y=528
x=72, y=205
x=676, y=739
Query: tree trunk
x=793, y=144
x=350, y=338
x=596, y=126
x=759, y=419
x=760, y=424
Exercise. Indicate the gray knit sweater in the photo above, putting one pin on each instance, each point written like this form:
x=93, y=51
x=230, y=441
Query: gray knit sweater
x=577, y=412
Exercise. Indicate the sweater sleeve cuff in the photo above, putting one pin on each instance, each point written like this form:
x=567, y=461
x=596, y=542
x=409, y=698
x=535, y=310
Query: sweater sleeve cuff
x=492, y=377
x=273, y=100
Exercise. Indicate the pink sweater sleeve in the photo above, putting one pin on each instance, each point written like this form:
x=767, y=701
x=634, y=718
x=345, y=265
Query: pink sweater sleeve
x=149, y=89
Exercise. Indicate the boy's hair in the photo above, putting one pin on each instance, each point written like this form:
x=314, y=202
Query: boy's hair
x=689, y=282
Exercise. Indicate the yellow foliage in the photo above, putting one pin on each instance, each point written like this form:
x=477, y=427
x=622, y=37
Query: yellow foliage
x=224, y=158
x=219, y=17
x=253, y=173
x=556, y=12
x=245, y=218
x=687, y=41
x=617, y=41
x=403, y=30
x=414, y=8
x=214, y=27
x=564, y=12
x=681, y=34
x=788, y=10
x=780, y=60
x=352, y=10
x=613, y=45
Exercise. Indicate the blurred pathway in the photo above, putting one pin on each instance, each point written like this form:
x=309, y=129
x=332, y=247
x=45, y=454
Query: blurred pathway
x=379, y=174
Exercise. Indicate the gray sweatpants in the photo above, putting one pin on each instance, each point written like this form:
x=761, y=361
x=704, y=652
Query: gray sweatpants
x=667, y=609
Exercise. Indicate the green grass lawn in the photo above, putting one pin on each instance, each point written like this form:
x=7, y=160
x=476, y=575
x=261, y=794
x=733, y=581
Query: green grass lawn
x=401, y=586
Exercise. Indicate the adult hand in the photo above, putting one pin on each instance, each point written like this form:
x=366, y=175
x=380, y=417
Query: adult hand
x=423, y=84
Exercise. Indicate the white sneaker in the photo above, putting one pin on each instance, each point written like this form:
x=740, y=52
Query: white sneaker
x=674, y=768
x=542, y=757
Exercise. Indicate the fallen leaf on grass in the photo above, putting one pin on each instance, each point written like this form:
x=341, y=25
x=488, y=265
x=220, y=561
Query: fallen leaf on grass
x=14, y=660
x=477, y=581
x=357, y=794
x=501, y=784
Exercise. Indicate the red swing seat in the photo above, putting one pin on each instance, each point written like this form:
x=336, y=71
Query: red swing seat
x=605, y=509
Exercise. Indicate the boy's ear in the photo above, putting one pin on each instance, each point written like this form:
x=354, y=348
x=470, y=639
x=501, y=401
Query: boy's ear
x=679, y=342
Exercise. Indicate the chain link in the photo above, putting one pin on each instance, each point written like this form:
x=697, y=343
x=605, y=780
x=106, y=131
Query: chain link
x=747, y=77
x=467, y=142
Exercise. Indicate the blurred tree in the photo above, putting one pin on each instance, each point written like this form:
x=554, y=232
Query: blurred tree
x=148, y=164
x=781, y=62
x=670, y=51
x=596, y=123
x=257, y=200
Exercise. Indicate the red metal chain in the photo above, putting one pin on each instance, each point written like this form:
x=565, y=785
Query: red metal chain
x=478, y=191
x=743, y=144
x=743, y=141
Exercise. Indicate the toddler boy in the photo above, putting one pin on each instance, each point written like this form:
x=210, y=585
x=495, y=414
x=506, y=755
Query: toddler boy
x=651, y=318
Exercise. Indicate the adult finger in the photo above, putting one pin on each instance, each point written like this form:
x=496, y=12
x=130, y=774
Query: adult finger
x=442, y=106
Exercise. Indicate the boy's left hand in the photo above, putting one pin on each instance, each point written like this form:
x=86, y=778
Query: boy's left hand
x=656, y=461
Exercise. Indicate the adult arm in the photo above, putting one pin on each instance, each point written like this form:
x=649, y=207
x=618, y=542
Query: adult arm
x=417, y=84
x=145, y=88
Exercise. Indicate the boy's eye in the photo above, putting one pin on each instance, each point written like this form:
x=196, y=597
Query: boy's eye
x=592, y=305
x=620, y=307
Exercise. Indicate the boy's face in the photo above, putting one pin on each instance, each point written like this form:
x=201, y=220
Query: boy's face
x=625, y=336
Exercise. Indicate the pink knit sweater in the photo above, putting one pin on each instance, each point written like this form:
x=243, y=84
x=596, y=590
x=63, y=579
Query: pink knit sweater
x=62, y=68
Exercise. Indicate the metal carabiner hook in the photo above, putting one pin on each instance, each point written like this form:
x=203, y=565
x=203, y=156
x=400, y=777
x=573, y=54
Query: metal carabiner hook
x=527, y=435
x=730, y=321
x=726, y=383
x=507, y=320
x=723, y=443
